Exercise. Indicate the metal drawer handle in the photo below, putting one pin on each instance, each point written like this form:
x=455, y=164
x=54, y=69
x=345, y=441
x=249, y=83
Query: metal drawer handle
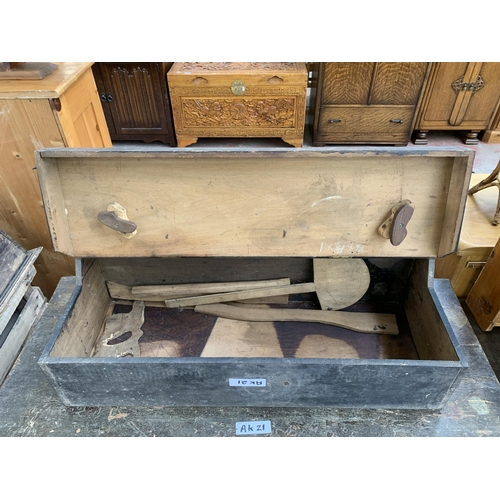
x=396, y=121
x=115, y=217
x=104, y=98
x=334, y=121
x=110, y=98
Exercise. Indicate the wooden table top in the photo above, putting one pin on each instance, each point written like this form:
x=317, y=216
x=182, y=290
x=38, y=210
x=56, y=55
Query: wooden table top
x=50, y=87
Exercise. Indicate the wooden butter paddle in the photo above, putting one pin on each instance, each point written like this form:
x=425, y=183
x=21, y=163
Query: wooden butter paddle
x=338, y=283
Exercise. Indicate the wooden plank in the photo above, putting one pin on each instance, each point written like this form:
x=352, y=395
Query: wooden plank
x=175, y=291
x=243, y=295
x=363, y=322
x=230, y=338
x=80, y=331
x=484, y=298
x=430, y=334
x=455, y=204
x=201, y=204
x=30, y=313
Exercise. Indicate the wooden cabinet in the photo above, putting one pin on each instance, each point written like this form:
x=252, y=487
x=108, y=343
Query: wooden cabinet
x=135, y=100
x=459, y=96
x=60, y=110
x=368, y=103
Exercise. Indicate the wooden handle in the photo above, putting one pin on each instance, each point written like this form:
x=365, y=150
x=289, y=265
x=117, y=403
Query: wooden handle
x=115, y=217
x=394, y=227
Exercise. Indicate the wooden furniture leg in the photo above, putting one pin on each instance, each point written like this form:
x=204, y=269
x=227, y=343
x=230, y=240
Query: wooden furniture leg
x=491, y=180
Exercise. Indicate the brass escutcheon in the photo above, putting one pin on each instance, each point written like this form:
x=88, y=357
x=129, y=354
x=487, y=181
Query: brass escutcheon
x=238, y=87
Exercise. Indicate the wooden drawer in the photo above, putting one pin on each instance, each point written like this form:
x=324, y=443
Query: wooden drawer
x=229, y=228
x=238, y=100
x=365, y=124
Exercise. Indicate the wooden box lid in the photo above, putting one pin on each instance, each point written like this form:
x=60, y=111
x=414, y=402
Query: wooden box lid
x=312, y=202
x=213, y=74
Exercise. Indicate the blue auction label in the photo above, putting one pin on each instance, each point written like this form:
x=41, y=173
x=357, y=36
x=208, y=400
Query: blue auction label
x=247, y=428
x=247, y=382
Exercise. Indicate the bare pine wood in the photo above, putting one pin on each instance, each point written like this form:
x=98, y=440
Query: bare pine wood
x=28, y=122
x=200, y=203
x=362, y=322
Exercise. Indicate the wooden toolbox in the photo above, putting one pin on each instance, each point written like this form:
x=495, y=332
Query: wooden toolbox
x=20, y=303
x=355, y=230
x=229, y=99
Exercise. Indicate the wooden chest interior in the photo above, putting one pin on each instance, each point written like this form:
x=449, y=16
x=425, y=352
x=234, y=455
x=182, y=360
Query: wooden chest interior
x=190, y=358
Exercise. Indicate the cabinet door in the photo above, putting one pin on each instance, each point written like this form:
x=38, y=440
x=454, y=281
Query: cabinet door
x=136, y=94
x=462, y=96
x=80, y=115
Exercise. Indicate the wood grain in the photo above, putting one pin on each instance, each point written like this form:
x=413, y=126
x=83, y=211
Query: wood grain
x=362, y=322
x=256, y=204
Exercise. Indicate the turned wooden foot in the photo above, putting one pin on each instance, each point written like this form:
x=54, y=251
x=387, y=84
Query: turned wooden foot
x=294, y=142
x=471, y=137
x=420, y=137
x=182, y=142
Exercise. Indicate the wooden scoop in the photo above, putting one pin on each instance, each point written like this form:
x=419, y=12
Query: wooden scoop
x=338, y=283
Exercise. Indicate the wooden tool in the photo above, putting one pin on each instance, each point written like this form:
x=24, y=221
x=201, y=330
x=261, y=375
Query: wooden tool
x=363, y=322
x=338, y=283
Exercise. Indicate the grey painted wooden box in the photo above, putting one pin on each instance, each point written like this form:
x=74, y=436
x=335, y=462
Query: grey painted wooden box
x=216, y=216
x=20, y=303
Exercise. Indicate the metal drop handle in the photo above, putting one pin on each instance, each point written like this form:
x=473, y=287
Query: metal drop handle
x=396, y=121
x=110, y=98
x=334, y=121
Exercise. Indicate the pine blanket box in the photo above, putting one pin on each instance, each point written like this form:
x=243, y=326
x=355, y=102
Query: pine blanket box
x=230, y=99
x=140, y=221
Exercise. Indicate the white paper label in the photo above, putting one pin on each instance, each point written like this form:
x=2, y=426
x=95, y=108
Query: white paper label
x=247, y=382
x=259, y=427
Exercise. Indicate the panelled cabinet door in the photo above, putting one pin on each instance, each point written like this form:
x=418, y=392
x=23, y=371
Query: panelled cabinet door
x=462, y=96
x=133, y=96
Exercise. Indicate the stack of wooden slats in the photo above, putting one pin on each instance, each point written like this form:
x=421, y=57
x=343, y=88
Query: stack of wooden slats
x=20, y=303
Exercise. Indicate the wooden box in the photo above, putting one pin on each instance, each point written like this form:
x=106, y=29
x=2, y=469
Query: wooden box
x=238, y=100
x=477, y=239
x=211, y=216
x=20, y=303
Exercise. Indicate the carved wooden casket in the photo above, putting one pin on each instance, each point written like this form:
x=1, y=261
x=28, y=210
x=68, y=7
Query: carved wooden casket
x=238, y=100
x=145, y=225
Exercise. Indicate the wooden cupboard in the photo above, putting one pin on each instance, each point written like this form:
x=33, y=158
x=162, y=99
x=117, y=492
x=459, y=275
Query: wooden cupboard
x=368, y=103
x=462, y=96
x=61, y=110
x=135, y=100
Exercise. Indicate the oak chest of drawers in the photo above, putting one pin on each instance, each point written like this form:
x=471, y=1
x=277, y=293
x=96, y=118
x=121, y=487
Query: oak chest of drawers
x=238, y=100
x=200, y=216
